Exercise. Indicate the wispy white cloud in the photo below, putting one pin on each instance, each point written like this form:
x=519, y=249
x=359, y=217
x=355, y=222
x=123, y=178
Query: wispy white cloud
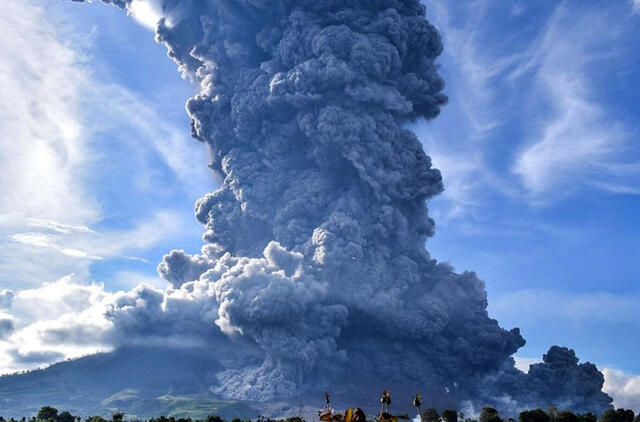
x=42, y=240
x=52, y=147
x=456, y=140
x=461, y=182
x=578, y=143
x=477, y=70
x=178, y=151
x=527, y=107
x=162, y=224
x=43, y=144
x=461, y=137
x=97, y=245
x=57, y=227
x=635, y=6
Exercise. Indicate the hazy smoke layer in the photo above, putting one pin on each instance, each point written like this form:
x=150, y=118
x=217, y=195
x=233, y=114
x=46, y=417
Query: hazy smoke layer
x=316, y=259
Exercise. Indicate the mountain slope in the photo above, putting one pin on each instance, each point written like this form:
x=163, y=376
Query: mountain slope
x=140, y=381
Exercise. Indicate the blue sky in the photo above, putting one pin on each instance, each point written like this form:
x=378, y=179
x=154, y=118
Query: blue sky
x=538, y=148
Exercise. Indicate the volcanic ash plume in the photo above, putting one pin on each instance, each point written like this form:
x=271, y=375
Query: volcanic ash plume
x=315, y=262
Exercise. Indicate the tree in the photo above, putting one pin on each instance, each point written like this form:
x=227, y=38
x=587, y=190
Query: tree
x=617, y=415
x=489, y=414
x=587, y=417
x=96, y=418
x=117, y=417
x=625, y=415
x=537, y=415
x=567, y=416
x=66, y=417
x=449, y=415
x=47, y=413
x=431, y=415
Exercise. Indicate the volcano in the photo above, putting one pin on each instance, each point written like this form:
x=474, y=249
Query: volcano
x=142, y=382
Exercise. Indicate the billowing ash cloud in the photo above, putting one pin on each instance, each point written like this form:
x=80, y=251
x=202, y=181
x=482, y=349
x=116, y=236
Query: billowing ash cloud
x=573, y=385
x=315, y=262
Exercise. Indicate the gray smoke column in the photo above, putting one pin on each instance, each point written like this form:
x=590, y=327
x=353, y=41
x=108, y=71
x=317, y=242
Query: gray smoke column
x=316, y=256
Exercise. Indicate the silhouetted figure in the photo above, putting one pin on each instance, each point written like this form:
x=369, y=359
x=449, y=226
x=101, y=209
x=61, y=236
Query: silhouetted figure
x=417, y=402
x=385, y=405
x=326, y=415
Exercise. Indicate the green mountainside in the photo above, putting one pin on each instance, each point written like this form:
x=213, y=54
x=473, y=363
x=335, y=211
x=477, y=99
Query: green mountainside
x=140, y=381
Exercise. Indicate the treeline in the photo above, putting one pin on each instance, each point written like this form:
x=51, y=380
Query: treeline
x=50, y=414
x=488, y=414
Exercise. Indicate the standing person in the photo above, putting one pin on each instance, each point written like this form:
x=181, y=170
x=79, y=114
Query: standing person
x=326, y=414
x=385, y=401
x=417, y=402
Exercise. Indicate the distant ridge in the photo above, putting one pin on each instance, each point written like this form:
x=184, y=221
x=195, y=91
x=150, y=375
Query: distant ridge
x=140, y=381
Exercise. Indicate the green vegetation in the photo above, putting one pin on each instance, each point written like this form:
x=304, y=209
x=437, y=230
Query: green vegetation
x=488, y=414
x=50, y=414
x=142, y=382
x=431, y=415
x=449, y=415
